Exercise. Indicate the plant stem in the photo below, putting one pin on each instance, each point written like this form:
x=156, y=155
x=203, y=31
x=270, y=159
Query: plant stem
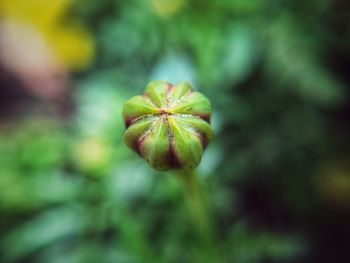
x=200, y=216
x=195, y=199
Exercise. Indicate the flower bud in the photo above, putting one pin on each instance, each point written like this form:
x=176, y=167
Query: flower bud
x=169, y=125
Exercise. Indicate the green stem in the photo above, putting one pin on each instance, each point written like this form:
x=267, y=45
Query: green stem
x=195, y=199
x=200, y=216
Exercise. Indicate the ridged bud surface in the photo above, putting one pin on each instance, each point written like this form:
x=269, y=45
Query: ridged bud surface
x=169, y=125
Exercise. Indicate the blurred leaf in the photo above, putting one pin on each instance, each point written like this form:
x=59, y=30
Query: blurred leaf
x=51, y=226
x=130, y=181
x=293, y=62
x=239, y=55
x=250, y=246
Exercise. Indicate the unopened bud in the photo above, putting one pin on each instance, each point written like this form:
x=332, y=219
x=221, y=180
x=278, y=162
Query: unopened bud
x=169, y=125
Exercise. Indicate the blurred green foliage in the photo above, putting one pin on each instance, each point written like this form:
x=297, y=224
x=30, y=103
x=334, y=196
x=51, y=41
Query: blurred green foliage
x=276, y=73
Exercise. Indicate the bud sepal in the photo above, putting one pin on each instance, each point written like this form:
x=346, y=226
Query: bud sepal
x=169, y=125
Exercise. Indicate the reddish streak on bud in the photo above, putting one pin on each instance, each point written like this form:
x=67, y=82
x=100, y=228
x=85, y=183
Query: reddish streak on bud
x=205, y=117
x=172, y=158
x=128, y=121
x=170, y=88
x=139, y=143
x=203, y=140
x=171, y=155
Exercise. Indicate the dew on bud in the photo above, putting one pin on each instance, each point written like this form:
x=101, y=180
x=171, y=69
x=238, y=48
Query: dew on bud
x=169, y=126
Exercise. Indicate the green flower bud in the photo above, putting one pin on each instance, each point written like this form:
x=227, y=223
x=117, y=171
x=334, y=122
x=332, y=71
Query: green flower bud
x=169, y=125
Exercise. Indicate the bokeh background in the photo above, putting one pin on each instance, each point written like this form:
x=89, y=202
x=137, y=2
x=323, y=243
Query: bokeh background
x=276, y=178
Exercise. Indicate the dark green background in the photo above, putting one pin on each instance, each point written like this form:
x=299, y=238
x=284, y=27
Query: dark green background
x=276, y=177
